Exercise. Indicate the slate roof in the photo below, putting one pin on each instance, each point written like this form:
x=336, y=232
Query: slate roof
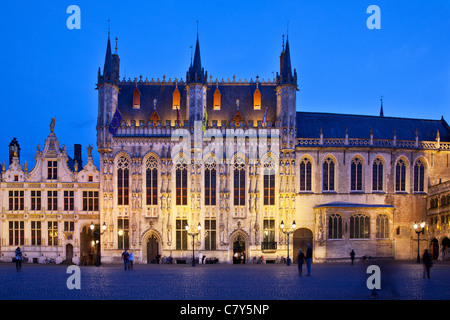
x=229, y=94
x=358, y=126
x=353, y=205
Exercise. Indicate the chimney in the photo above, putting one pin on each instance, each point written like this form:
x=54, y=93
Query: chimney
x=77, y=155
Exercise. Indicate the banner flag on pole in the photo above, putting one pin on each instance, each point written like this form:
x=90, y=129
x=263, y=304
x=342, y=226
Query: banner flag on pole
x=115, y=122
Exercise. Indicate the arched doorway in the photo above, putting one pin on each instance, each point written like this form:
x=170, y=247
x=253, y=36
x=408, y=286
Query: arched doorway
x=239, y=252
x=434, y=249
x=69, y=252
x=86, y=246
x=302, y=237
x=445, y=244
x=152, y=249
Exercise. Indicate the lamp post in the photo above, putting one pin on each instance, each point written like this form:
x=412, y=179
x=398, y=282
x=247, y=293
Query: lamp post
x=97, y=235
x=193, y=234
x=288, y=233
x=419, y=231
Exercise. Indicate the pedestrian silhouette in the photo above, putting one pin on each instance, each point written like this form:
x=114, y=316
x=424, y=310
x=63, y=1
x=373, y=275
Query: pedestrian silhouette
x=352, y=256
x=309, y=255
x=125, y=258
x=18, y=259
x=426, y=258
x=301, y=259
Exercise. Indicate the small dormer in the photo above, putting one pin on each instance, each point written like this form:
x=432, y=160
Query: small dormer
x=217, y=98
x=257, y=97
x=136, y=98
x=176, y=98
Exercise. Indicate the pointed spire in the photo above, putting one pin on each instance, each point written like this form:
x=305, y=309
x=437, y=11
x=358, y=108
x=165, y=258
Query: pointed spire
x=381, y=109
x=286, y=75
x=196, y=72
x=108, y=66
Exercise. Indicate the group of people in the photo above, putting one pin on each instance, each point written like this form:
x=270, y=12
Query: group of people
x=128, y=259
x=302, y=258
x=239, y=257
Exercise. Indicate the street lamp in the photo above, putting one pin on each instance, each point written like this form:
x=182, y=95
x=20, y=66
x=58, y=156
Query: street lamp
x=97, y=235
x=199, y=227
x=419, y=231
x=288, y=233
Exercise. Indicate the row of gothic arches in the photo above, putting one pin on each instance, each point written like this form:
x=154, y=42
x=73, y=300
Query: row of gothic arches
x=239, y=244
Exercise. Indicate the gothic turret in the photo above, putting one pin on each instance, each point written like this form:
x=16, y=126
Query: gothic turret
x=196, y=79
x=286, y=76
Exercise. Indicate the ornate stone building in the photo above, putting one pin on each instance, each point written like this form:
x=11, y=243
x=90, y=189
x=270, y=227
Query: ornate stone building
x=236, y=158
x=47, y=211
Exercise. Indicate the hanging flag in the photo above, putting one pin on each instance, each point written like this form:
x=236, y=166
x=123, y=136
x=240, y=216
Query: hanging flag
x=178, y=115
x=265, y=117
x=115, y=122
x=205, y=119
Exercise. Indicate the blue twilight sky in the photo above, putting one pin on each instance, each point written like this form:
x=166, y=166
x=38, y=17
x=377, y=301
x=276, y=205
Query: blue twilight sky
x=343, y=67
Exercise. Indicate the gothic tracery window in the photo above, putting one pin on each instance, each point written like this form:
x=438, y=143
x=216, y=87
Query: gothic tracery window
x=123, y=181
x=151, y=181
x=356, y=174
x=382, y=226
x=181, y=176
x=328, y=175
x=400, y=175
x=419, y=176
x=210, y=182
x=269, y=181
x=305, y=174
x=335, y=226
x=359, y=226
x=377, y=175
x=239, y=181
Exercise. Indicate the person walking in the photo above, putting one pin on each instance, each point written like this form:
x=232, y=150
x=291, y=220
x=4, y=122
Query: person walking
x=130, y=260
x=18, y=259
x=300, y=260
x=125, y=258
x=352, y=256
x=426, y=258
x=309, y=255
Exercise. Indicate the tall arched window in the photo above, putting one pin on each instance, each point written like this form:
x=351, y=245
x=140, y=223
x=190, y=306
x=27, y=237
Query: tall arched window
x=123, y=181
x=181, y=176
x=239, y=182
x=382, y=226
x=210, y=182
x=335, y=226
x=359, y=226
x=377, y=175
x=356, y=174
x=419, y=176
x=400, y=175
x=328, y=174
x=269, y=182
x=305, y=174
x=151, y=181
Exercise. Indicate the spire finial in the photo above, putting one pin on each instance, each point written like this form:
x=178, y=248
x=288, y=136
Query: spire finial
x=109, y=27
x=197, y=28
x=287, y=30
x=116, y=44
x=283, y=43
x=191, y=54
x=381, y=108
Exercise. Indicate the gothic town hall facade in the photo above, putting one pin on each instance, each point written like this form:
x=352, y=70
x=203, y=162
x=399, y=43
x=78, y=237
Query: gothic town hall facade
x=230, y=161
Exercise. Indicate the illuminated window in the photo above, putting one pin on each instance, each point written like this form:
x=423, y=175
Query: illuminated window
x=217, y=99
x=52, y=233
x=136, y=98
x=210, y=182
x=181, y=234
x=269, y=183
x=181, y=176
x=176, y=98
x=257, y=99
x=239, y=182
x=210, y=234
x=16, y=233
x=123, y=239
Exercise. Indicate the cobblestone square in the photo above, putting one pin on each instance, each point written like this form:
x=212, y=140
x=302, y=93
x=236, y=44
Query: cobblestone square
x=330, y=281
